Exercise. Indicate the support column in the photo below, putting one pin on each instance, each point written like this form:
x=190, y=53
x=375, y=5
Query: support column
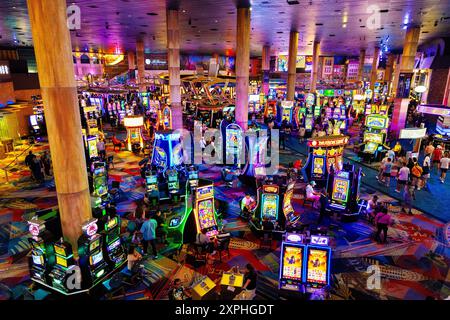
x=265, y=69
x=292, y=65
x=53, y=52
x=173, y=58
x=362, y=57
x=389, y=71
x=315, y=66
x=373, y=72
x=406, y=66
x=242, y=66
x=131, y=60
x=140, y=57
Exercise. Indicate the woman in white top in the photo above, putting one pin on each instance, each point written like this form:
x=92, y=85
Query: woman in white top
x=426, y=171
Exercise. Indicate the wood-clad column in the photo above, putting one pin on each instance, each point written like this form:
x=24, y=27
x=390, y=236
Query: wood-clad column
x=131, y=60
x=173, y=57
x=242, y=66
x=53, y=51
x=215, y=56
x=373, y=72
x=265, y=69
x=292, y=65
x=389, y=71
x=362, y=57
x=140, y=57
x=406, y=66
x=315, y=66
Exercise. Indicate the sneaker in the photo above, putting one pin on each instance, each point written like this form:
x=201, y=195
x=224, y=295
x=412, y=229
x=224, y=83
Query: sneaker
x=442, y=181
x=418, y=189
x=397, y=191
x=155, y=257
x=377, y=178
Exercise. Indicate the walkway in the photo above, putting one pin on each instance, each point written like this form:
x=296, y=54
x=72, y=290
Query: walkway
x=434, y=202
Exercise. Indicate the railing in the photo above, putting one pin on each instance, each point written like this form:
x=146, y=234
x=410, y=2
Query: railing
x=14, y=161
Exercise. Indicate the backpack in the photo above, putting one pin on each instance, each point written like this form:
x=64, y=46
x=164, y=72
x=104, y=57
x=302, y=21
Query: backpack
x=417, y=171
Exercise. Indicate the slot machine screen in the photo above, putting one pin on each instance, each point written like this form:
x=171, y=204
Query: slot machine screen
x=318, y=167
x=193, y=175
x=270, y=206
x=111, y=223
x=114, y=245
x=97, y=258
x=174, y=222
x=340, y=190
x=60, y=250
x=317, y=268
x=94, y=245
x=292, y=263
x=206, y=214
x=286, y=114
x=61, y=261
x=92, y=145
x=373, y=137
x=371, y=147
x=151, y=179
x=33, y=121
x=308, y=123
x=38, y=260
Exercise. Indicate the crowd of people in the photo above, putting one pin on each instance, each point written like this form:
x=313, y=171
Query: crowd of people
x=39, y=165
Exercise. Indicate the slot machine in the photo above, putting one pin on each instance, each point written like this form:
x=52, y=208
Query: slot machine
x=317, y=263
x=90, y=251
x=113, y=248
x=91, y=142
x=292, y=261
x=204, y=210
x=285, y=113
x=42, y=256
x=269, y=203
x=100, y=179
x=309, y=122
x=64, y=267
x=233, y=145
x=193, y=178
x=173, y=183
x=134, y=126
x=152, y=187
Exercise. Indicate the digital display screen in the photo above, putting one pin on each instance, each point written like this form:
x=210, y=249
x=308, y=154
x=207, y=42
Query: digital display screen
x=318, y=167
x=340, y=190
x=151, y=179
x=373, y=137
x=371, y=147
x=206, y=217
x=38, y=260
x=114, y=245
x=292, y=263
x=317, y=266
x=174, y=222
x=173, y=178
x=94, y=245
x=376, y=122
x=97, y=258
x=270, y=206
x=33, y=120
x=308, y=123
x=193, y=175
x=60, y=250
x=234, y=138
x=61, y=261
x=111, y=223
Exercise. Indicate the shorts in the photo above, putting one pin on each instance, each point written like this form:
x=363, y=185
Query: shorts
x=444, y=170
x=402, y=182
x=426, y=176
x=387, y=174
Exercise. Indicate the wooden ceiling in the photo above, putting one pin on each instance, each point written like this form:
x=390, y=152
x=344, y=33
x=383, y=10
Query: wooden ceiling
x=209, y=26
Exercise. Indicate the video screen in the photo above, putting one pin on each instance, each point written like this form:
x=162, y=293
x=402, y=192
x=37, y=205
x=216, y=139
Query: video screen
x=318, y=166
x=97, y=258
x=61, y=261
x=193, y=175
x=376, y=122
x=373, y=137
x=94, y=245
x=38, y=260
x=233, y=138
x=172, y=178
x=33, y=120
x=151, y=179
x=270, y=206
x=317, y=266
x=340, y=190
x=114, y=245
x=371, y=147
x=292, y=263
x=206, y=214
x=60, y=250
x=174, y=222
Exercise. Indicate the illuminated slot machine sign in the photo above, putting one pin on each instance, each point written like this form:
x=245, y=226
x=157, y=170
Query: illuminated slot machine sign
x=318, y=258
x=324, y=153
x=319, y=158
x=270, y=202
x=151, y=183
x=167, y=118
x=340, y=192
x=309, y=122
x=288, y=209
x=205, y=216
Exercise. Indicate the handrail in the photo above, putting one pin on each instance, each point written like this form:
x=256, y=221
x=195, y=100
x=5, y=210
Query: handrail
x=15, y=160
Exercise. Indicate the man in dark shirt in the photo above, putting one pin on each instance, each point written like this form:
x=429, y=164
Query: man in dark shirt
x=161, y=227
x=29, y=159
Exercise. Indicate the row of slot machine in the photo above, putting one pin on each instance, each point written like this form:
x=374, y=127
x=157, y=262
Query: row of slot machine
x=305, y=263
x=120, y=109
x=52, y=262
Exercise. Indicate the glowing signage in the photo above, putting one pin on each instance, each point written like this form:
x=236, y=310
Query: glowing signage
x=413, y=133
x=90, y=227
x=133, y=121
x=330, y=141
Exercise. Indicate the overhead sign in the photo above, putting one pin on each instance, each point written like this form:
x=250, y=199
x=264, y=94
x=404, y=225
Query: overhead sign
x=413, y=133
x=434, y=109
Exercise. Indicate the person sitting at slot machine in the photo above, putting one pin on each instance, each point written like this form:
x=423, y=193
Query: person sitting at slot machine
x=178, y=292
x=247, y=206
x=267, y=225
x=205, y=241
x=311, y=194
x=133, y=258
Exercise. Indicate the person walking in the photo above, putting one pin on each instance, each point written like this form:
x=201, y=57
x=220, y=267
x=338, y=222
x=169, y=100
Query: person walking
x=402, y=178
x=101, y=148
x=382, y=221
x=445, y=161
x=148, y=231
x=425, y=172
x=408, y=197
x=416, y=173
x=437, y=155
x=387, y=170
